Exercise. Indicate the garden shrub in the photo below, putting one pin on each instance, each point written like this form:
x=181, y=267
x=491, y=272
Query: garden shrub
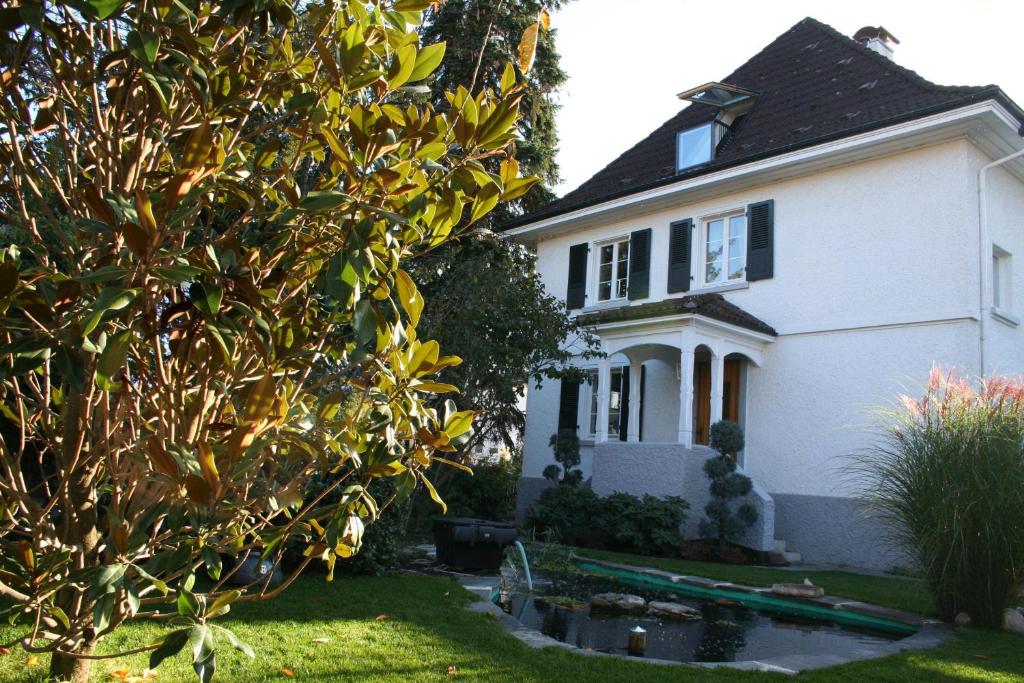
x=949, y=476
x=621, y=521
x=490, y=493
x=725, y=484
x=566, y=447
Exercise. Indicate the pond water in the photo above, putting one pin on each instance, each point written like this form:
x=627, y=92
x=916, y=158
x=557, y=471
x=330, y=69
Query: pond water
x=725, y=633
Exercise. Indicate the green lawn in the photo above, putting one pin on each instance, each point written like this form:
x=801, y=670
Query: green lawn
x=427, y=631
x=897, y=592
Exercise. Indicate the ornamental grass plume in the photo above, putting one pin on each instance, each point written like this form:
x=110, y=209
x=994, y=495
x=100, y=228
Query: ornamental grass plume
x=948, y=474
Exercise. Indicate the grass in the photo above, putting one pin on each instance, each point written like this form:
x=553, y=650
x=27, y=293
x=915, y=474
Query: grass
x=427, y=631
x=896, y=592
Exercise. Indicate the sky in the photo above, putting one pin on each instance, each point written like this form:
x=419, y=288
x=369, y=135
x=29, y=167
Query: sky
x=627, y=59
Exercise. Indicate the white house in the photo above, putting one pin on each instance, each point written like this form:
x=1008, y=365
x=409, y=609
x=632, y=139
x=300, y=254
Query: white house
x=796, y=247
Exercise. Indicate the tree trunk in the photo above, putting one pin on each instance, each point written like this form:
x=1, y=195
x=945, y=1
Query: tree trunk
x=68, y=669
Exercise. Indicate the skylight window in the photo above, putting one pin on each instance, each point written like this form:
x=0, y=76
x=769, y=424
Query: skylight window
x=695, y=146
x=719, y=95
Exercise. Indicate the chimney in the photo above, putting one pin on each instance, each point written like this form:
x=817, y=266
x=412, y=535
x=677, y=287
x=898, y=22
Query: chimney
x=878, y=39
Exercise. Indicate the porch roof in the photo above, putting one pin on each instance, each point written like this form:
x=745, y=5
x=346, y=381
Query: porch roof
x=712, y=306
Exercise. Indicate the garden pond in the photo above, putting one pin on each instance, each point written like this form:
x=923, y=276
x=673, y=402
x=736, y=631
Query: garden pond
x=725, y=632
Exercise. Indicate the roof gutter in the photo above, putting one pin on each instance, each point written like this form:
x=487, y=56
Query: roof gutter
x=984, y=253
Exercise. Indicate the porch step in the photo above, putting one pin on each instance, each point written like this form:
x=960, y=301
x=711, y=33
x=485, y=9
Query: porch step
x=793, y=558
x=780, y=545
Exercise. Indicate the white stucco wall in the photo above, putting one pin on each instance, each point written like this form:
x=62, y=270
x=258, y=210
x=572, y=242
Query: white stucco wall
x=875, y=279
x=1005, y=202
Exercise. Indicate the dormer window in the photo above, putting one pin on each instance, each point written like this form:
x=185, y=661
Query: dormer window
x=696, y=145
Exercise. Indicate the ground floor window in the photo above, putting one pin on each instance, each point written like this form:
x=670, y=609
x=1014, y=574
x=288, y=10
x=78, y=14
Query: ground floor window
x=615, y=406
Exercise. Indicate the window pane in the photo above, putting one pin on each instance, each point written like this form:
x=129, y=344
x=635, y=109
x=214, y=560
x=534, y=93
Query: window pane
x=593, y=402
x=607, y=251
x=713, y=259
x=604, y=291
x=614, y=402
x=693, y=147
x=737, y=246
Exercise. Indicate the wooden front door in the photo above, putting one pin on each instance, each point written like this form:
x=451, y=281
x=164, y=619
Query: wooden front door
x=701, y=401
x=702, y=397
x=731, y=390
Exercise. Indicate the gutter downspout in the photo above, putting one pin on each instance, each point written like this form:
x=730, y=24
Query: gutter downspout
x=985, y=255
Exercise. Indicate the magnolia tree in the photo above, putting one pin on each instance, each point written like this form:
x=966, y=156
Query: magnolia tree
x=202, y=302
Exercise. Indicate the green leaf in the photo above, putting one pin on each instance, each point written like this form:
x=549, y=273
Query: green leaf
x=112, y=359
x=200, y=641
x=427, y=60
x=236, y=643
x=103, y=610
x=303, y=100
x=61, y=616
x=104, y=274
x=222, y=603
x=318, y=200
x=484, y=202
x=206, y=298
x=459, y=423
x=143, y=46
x=110, y=299
x=97, y=10
x=214, y=565
x=206, y=667
x=178, y=273
x=188, y=605
x=108, y=578
x=172, y=644
x=433, y=493
x=365, y=322
x=402, y=65
x=508, y=78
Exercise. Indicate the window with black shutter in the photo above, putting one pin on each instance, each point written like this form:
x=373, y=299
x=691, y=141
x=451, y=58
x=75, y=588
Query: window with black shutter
x=640, y=264
x=760, y=240
x=568, y=406
x=576, y=291
x=679, y=256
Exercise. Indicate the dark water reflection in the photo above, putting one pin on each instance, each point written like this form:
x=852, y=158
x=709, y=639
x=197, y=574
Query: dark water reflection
x=725, y=633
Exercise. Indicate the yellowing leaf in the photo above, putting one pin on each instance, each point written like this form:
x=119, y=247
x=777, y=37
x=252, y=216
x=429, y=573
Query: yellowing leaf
x=32, y=660
x=527, y=48
x=459, y=423
x=198, y=147
x=381, y=617
x=320, y=640
x=261, y=399
x=433, y=493
x=435, y=387
x=545, y=18
x=208, y=465
x=409, y=295
x=288, y=672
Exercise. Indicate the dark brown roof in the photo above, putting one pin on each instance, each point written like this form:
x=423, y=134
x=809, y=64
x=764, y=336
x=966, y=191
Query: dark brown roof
x=813, y=84
x=712, y=306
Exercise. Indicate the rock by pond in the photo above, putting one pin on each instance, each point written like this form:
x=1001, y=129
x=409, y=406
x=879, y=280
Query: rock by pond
x=622, y=602
x=798, y=590
x=673, y=610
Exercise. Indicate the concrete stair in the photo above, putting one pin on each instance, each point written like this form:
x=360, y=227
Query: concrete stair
x=791, y=557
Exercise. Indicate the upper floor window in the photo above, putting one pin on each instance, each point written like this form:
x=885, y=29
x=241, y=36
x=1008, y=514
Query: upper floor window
x=725, y=249
x=613, y=270
x=697, y=145
x=1002, y=282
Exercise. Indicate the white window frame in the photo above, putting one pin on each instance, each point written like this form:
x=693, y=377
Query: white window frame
x=1002, y=282
x=702, y=251
x=596, y=269
x=588, y=403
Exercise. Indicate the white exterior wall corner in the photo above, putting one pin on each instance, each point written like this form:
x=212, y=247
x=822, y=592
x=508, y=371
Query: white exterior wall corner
x=1004, y=346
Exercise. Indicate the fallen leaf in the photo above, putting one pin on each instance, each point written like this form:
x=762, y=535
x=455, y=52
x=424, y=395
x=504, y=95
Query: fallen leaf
x=382, y=617
x=452, y=671
x=120, y=674
x=447, y=594
x=287, y=672
x=320, y=640
x=32, y=660
x=982, y=657
x=4, y=651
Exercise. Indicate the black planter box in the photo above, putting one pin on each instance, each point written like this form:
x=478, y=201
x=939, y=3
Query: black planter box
x=467, y=543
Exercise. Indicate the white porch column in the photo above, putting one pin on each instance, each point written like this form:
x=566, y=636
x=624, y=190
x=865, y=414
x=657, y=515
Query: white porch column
x=633, y=426
x=604, y=384
x=686, y=396
x=717, y=385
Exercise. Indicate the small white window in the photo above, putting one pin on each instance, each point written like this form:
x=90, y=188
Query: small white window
x=1002, y=279
x=612, y=270
x=614, y=403
x=725, y=249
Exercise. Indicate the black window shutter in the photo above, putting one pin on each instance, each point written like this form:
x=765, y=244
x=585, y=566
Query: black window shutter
x=760, y=240
x=643, y=398
x=679, y=256
x=576, y=293
x=624, y=405
x=568, y=405
x=640, y=264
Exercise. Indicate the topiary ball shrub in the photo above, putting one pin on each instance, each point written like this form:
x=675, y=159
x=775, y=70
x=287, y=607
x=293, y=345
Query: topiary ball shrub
x=726, y=437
